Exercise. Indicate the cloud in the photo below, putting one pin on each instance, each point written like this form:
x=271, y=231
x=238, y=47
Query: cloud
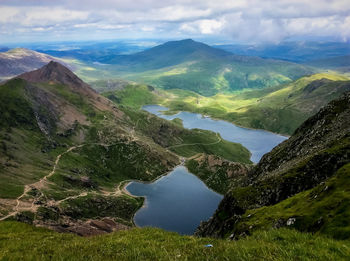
x=238, y=20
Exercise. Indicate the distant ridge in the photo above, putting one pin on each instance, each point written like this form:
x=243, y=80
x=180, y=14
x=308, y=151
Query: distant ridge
x=19, y=60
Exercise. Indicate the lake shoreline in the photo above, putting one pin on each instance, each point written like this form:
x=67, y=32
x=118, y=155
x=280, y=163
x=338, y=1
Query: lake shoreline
x=257, y=141
x=158, y=179
x=214, y=118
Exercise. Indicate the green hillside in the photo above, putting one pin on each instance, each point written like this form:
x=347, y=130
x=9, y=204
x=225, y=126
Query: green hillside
x=23, y=242
x=66, y=152
x=194, y=66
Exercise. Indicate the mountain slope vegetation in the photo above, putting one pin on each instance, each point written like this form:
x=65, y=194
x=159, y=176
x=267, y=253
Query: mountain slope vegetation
x=66, y=152
x=302, y=183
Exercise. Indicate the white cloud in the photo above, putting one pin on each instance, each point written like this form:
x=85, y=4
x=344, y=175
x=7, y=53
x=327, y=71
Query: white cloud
x=243, y=20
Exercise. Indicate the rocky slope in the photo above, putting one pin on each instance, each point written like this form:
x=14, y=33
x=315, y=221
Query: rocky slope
x=298, y=177
x=219, y=174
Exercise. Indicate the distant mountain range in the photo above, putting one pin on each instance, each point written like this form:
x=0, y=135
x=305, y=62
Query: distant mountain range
x=339, y=63
x=190, y=65
x=299, y=52
x=195, y=66
x=20, y=60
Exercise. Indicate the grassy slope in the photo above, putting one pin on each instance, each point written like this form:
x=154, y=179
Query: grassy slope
x=280, y=109
x=21, y=141
x=134, y=96
x=304, y=180
x=20, y=241
x=325, y=206
x=27, y=154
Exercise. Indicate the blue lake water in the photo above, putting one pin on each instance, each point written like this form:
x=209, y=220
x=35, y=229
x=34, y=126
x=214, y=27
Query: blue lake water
x=258, y=142
x=179, y=201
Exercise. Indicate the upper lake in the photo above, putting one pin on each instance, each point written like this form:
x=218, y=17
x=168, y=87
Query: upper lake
x=258, y=142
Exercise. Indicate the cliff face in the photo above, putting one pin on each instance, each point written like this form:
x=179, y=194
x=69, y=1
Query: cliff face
x=317, y=150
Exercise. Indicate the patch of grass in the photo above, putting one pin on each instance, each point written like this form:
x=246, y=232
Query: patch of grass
x=134, y=96
x=24, y=242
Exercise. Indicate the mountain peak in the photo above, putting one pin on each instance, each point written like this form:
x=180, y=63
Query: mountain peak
x=53, y=72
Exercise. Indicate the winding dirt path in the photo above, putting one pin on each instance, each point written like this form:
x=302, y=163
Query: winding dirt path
x=191, y=144
x=44, y=180
x=37, y=185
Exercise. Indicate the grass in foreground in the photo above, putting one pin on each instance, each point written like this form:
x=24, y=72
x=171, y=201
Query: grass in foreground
x=23, y=242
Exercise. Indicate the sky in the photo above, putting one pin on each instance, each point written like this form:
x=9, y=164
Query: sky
x=236, y=21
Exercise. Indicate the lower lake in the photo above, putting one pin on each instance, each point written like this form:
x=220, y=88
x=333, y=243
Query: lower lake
x=177, y=202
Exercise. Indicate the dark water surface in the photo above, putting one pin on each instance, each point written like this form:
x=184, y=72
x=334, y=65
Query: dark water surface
x=179, y=201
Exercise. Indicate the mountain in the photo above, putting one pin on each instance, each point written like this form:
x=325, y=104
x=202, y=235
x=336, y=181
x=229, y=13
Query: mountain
x=20, y=60
x=168, y=54
x=300, y=52
x=195, y=66
x=66, y=152
x=339, y=63
x=301, y=184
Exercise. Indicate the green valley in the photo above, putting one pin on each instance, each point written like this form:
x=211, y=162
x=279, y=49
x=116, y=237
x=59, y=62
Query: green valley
x=279, y=109
x=66, y=153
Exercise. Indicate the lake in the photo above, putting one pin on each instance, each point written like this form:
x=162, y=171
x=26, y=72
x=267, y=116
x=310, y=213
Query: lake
x=258, y=142
x=179, y=201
